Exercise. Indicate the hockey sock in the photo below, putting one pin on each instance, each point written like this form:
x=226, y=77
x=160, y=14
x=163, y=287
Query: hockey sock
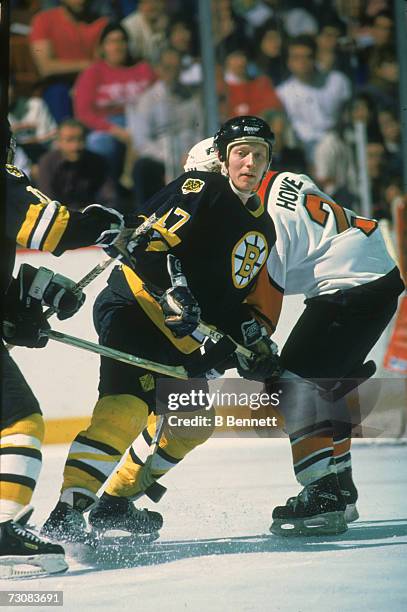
x=348, y=411
x=20, y=450
x=342, y=454
x=308, y=423
x=116, y=421
x=141, y=468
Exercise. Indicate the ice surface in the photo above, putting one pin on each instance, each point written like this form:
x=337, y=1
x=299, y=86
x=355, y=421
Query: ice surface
x=215, y=552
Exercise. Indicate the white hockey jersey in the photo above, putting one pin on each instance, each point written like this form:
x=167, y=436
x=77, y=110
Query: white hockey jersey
x=320, y=246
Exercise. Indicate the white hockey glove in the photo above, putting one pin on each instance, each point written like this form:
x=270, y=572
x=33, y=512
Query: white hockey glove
x=265, y=364
x=114, y=223
x=46, y=288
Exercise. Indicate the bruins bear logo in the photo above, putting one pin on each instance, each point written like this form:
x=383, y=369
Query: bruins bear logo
x=248, y=257
x=192, y=186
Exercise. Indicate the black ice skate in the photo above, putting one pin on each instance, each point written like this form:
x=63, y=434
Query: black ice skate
x=318, y=510
x=350, y=494
x=23, y=554
x=65, y=524
x=118, y=517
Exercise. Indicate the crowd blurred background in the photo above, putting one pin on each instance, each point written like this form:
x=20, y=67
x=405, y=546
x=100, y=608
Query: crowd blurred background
x=106, y=95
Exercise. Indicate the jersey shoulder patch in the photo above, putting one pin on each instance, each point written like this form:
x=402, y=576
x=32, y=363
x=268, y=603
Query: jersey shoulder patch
x=192, y=185
x=14, y=171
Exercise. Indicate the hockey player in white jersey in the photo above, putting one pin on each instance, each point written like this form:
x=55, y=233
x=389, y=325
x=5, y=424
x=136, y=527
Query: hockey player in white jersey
x=340, y=262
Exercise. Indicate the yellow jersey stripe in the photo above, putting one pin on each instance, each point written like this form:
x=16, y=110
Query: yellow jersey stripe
x=57, y=230
x=30, y=222
x=153, y=310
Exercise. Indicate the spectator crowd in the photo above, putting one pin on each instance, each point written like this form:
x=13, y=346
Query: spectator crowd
x=114, y=98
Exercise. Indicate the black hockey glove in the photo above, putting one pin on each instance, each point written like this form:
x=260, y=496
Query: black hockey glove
x=50, y=289
x=181, y=311
x=23, y=319
x=111, y=219
x=265, y=364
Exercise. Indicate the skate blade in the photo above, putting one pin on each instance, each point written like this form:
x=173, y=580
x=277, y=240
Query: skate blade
x=17, y=566
x=351, y=513
x=329, y=523
x=121, y=538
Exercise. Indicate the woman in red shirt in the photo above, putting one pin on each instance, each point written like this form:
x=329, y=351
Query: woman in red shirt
x=63, y=42
x=102, y=92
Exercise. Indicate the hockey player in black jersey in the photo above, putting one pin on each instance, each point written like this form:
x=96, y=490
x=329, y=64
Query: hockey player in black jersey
x=32, y=221
x=219, y=231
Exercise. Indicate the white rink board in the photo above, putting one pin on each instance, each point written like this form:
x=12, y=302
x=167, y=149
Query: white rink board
x=64, y=378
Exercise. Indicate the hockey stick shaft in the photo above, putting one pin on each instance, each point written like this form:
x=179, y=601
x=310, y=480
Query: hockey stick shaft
x=216, y=335
x=106, y=351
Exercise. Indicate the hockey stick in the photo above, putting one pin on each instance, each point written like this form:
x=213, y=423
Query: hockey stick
x=125, y=236
x=156, y=490
x=172, y=371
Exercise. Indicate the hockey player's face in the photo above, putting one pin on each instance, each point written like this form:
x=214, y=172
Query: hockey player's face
x=247, y=164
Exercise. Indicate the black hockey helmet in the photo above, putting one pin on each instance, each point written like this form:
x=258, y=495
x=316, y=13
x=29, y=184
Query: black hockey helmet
x=245, y=129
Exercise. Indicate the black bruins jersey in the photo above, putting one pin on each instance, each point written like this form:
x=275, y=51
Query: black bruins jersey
x=221, y=243
x=33, y=222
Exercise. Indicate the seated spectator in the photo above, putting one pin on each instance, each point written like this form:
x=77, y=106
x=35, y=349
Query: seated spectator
x=312, y=100
x=378, y=173
x=71, y=173
x=382, y=85
x=146, y=29
x=63, y=43
x=362, y=108
x=287, y=155
x=102, y=92
x=269, y=53
x=165, y=124
x=181, y=37
x=229, y=30
x=390, y=129
x=33, y=126
x=243, y=95
x=335, y=164
x=379, y=35
x=329, y=56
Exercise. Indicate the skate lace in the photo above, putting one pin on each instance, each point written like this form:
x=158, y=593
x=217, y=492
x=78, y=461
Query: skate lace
x=25, y=534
